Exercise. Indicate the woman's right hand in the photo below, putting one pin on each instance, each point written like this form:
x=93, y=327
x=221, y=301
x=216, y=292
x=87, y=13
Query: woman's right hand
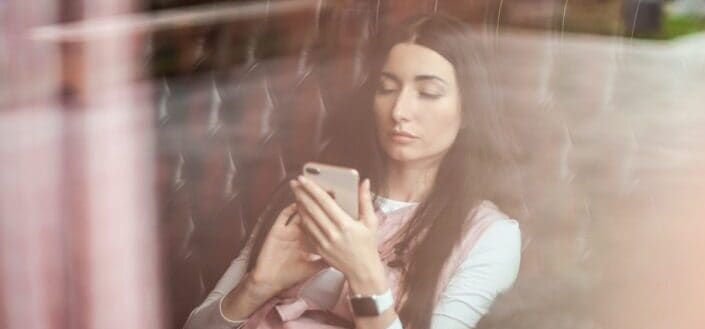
x=284, y=260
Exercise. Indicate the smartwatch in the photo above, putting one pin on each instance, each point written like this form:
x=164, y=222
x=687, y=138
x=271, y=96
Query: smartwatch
x=371, y=305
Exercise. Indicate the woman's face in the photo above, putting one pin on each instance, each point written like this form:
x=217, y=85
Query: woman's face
x=416, y=104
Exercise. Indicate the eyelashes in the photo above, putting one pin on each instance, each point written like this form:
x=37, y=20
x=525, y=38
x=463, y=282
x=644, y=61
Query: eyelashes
x=422, y=94
x=430, y=95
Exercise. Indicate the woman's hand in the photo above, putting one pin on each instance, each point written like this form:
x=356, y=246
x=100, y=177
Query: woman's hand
x=346, y=243
x=284, y=260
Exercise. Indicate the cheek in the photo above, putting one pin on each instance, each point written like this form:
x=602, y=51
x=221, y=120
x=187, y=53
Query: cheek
x=443, y=124
x=444, y=119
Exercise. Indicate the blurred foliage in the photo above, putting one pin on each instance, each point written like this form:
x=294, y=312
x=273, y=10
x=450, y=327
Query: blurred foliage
x=680, y=25
x=605, y=17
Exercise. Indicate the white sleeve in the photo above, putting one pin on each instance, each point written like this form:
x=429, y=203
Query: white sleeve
x=490, y=268
x=208, y=315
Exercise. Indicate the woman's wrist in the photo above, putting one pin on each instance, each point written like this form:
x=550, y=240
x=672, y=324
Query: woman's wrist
x=260, y=285
x=246, y=297
x=368, y=280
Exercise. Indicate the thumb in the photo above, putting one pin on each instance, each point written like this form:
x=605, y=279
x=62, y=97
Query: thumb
x=367, y=210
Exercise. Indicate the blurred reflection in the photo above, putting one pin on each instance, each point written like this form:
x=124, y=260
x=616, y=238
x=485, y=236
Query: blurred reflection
x=215, y=103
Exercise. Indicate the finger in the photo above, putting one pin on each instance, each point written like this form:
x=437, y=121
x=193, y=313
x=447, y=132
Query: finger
x=295, y=219
x=308, y=243
x=296, y=227
x=290, y=230
x=286, y=215
x=292, y=216
x=312, y=208
x=294, y=222
x=366, y=208
x=324, y=201
x=304, y=242
x=313, y=232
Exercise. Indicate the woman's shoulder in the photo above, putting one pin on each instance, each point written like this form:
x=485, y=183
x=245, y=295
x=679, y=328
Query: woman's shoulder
x=501, y=232
x=487, y=208
x=492, y=244
x=489, y=227
x=487, y=213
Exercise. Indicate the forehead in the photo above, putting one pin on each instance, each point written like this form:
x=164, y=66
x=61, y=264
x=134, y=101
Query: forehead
x=409, y=60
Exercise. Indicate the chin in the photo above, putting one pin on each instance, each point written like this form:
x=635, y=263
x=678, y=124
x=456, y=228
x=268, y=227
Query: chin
x=400, y=154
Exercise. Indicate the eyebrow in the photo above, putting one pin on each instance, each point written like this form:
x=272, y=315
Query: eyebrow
x=421, y=77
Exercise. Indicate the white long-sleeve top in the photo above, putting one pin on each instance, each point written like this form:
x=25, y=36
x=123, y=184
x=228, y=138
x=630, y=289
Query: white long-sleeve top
x=490, y=268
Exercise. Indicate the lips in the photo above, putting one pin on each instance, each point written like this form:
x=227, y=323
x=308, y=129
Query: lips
x=402, y=137
x=403, y=134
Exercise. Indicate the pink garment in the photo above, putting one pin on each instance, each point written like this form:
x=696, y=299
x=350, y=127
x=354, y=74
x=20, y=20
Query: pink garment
x=286, y=310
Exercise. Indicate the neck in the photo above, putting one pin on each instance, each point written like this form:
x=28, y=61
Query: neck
x=410, y=182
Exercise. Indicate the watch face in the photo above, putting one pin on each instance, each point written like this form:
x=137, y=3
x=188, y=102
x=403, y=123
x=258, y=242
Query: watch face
x=364, y=306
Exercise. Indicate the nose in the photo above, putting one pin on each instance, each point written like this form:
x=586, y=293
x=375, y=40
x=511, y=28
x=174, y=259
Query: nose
x=404, y=106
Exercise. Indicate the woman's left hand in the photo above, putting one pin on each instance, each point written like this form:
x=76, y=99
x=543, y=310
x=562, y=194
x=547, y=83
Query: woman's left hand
x=346, y=243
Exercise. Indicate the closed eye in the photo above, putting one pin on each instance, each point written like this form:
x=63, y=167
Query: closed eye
x=430, y=95
x=388, y=84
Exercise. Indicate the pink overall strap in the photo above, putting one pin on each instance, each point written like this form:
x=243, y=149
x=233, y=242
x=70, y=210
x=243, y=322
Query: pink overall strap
x=486, y=214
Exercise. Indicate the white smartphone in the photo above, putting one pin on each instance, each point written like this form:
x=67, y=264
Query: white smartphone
x=341, y=183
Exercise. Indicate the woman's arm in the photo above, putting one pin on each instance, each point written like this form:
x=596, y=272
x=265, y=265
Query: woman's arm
x=246, y=298
x=235, y=297
x=282, y=262
x=209, y=313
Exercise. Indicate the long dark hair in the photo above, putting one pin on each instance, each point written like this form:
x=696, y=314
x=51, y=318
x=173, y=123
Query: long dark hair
x=470, y=172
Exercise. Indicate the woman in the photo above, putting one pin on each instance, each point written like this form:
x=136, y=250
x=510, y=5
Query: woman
x=427, y=251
